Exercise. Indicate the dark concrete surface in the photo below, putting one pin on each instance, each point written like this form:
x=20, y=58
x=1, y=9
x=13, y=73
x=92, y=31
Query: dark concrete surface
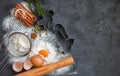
x=95, y=26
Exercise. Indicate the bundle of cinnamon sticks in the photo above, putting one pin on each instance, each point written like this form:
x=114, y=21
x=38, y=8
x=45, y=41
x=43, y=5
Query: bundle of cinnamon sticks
x=25, y=16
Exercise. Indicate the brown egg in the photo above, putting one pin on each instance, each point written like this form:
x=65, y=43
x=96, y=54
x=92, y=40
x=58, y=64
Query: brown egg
x=27, y=65
x=37, y=60
x=17, y=66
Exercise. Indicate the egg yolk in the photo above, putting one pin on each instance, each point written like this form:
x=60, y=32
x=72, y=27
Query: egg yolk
x=44, y=53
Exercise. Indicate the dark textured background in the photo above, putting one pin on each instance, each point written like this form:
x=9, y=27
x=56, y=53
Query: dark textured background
x=95, y=26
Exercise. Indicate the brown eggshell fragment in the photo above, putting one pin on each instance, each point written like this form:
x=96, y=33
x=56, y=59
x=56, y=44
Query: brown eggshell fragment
x=27, y=65
x=17, y=66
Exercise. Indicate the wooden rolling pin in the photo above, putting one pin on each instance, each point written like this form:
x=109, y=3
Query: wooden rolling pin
x=45, y=69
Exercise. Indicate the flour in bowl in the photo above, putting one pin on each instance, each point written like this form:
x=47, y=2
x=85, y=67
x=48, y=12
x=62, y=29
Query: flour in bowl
x=20, y=43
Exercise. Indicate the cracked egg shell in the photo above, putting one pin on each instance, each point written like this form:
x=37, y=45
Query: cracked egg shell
x=17, y=66
x=27, y=65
